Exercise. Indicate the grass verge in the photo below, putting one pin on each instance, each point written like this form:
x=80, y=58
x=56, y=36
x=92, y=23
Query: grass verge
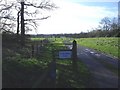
x=108, y=46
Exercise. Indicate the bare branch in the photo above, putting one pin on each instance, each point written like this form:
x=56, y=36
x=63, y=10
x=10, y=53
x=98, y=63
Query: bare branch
x=37, y=18
x=8, y=17
x=30, y=14
x=43, y=5
x=6, y=8
x=34, y=26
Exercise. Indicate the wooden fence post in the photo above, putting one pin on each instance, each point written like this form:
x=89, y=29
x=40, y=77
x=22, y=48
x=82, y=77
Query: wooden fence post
x=74, y=55
x=53, y=69
x=32, y=50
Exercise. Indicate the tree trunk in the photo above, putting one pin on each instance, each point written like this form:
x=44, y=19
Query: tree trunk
x=22, y=25
x=18, y=23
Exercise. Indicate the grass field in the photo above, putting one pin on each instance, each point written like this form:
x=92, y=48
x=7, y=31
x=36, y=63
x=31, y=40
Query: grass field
x=109, y=46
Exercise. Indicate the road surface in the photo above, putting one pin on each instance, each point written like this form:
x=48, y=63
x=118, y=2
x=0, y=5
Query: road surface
x=103, y=68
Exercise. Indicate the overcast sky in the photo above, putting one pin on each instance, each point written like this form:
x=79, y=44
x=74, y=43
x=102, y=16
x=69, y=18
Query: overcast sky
x=75, y=16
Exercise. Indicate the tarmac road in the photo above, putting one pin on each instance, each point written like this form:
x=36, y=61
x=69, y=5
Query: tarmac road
x=98, y=63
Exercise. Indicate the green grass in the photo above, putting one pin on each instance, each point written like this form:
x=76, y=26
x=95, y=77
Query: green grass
x=67, y=77
x=106, y=45
x=22, y=70
x=37, y=39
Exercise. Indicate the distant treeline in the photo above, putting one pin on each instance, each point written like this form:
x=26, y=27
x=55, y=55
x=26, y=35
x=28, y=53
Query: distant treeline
x=108, y=27
x=94, y=33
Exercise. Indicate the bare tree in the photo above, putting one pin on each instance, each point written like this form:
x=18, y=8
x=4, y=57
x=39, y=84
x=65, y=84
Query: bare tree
x=31, y=9
x=31, y=15
x=26, y=15
x=105, y=23
x=32, y=21
x=6, y=18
